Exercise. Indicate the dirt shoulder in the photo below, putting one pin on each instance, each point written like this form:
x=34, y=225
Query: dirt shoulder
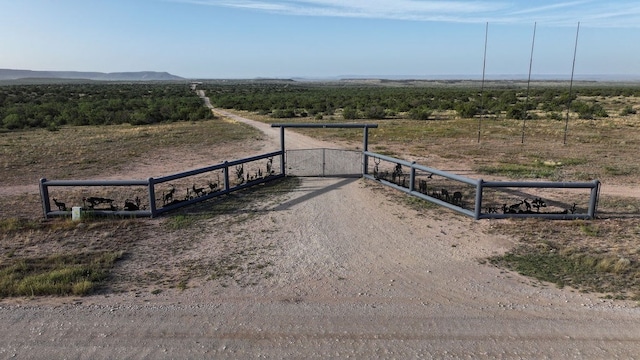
x=335, y=268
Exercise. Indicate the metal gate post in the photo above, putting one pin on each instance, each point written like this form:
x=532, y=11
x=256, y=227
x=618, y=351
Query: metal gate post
x=478, y=208
x=412, y=177
x=593, y=200
x=365, y=147
x=226, y=176
x=44, y=194
x=152, y=197
x=282, y=165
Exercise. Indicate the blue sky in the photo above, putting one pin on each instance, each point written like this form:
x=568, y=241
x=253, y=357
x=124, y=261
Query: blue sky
x=320, y=38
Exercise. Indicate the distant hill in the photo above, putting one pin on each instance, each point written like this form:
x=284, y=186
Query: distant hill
x=9, y=74
x=501, y=77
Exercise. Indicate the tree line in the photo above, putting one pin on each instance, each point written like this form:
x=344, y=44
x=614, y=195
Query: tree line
x=290, y=100
x=53, y=105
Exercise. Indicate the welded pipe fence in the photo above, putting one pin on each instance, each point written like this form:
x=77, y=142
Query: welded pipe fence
x=453, y=200
x=153, y=210
x=417, y=182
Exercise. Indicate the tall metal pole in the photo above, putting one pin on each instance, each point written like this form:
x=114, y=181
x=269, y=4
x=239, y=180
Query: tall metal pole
x=526, y=101
x=484, y=65
x=573, y=67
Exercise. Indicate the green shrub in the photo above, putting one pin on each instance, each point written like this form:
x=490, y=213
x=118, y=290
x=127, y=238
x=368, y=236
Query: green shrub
x=283, y=114
x=349, y=113
x=375, y=112
x=467, y=109
x=628, y=110
x=419, y=114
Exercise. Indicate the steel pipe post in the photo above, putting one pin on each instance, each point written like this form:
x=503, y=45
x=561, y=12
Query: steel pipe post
x=44, y=194
x=593, y=200
x=412, y=177
x=226, y=176
x=282, y=148
x=365, y=148
x=478, y=206
x=152, y=197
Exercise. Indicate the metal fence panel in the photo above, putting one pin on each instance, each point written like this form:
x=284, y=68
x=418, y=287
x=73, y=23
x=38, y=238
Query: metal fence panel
x=248, y=180
x=440, y=195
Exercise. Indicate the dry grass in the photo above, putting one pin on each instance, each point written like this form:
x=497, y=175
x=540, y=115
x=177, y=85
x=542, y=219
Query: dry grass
x=596, y=256
x=87, y=151
x=61, y=257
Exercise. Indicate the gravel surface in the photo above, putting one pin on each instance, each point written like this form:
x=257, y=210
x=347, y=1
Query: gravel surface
x=353, y=274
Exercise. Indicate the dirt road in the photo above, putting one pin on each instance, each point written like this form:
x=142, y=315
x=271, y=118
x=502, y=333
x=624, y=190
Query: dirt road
x=354, y=274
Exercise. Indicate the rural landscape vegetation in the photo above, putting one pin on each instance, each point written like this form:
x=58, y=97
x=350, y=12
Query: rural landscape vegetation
x=502, y=130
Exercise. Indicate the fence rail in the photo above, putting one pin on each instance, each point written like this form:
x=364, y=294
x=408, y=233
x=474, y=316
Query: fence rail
x=480, y=185
x=151, y=183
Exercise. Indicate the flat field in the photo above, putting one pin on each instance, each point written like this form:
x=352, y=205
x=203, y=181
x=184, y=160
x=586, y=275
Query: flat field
x=297, y=266
x=483, y=147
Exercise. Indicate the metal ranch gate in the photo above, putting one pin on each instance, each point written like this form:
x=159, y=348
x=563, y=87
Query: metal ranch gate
x=476, y=198
x=365, y=144
x=324, y=162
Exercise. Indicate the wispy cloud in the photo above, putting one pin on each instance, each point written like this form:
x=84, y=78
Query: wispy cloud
x=549, y=7
x=594, y=13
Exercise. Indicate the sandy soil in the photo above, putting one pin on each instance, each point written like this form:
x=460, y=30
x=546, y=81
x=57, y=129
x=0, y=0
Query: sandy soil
x=351, y=273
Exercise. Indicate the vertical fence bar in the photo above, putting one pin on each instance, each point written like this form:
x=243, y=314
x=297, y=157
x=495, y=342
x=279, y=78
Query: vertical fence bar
x=152, y=197
x=593, y=200
x=365, y=147
x=365, y=163
x=412, y=176
x=226, y=176
x=44, y=194
x=324, y=164
x=478, y=206
x=282, y=148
